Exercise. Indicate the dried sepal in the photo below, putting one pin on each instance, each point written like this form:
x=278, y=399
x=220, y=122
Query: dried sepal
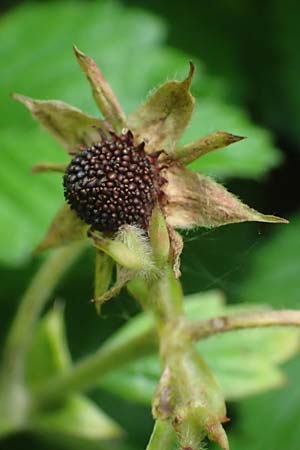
x=69, y=125
x=176, y=243
x=162, y=119
x=65, y=228
x=49, y=167
x=206, y=144
x=102, y=92
x=163, y=400
x=197, y=200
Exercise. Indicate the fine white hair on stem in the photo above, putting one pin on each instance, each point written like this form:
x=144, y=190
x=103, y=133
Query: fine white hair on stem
x=136, y=239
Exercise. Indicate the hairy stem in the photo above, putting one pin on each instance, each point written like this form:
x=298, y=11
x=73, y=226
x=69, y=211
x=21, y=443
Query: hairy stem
x=187, y=397
x=31, y=305
x=203, y=329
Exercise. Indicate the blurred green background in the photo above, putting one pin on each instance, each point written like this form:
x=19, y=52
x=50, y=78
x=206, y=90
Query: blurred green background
x=247, y=82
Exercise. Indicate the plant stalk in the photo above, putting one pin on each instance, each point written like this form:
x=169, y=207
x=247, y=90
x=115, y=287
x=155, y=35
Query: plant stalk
x=122, y=348
x=203, y=329
x=31, y=305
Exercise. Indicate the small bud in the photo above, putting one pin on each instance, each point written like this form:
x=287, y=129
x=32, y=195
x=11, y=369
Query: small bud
x=200, y=408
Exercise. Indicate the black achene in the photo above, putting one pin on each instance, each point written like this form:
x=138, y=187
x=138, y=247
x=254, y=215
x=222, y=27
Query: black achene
x=111, y=183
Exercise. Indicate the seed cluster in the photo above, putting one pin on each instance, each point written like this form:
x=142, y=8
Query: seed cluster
x=111, y=183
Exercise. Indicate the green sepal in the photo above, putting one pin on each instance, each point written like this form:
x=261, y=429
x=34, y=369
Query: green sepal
x=163, y=436
x=123, y=277
x=159, y=237
x=103, y=275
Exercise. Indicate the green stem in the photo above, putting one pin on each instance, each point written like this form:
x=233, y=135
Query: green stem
x=203, y=329
x=163, y=436
x=188, y=396
x=31, y=305
x=161, y=297
x=125, y=346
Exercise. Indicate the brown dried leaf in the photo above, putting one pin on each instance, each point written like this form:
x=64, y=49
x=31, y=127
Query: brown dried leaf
x=197, y=200
x=65, y=228
x=102, y=92
x=70, y=126
x=162, y=119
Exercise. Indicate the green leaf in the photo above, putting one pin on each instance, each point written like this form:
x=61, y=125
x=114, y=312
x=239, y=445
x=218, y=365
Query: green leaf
x=274, y=269
x=276, y=425
x=49, y=353
x=282, y=110
x=78, y=424
x=273, y=277
x=46, y=68
x=27, y=202
x=245, y=362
